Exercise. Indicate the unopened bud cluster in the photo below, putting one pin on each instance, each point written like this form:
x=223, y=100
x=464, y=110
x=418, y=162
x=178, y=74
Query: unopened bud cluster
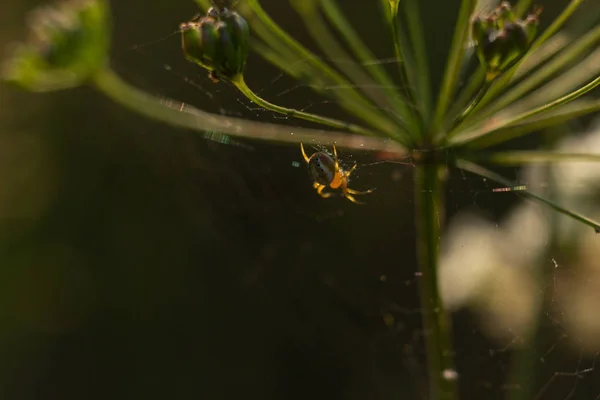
x=217, y=41
x=501, y=39
x=68, y=43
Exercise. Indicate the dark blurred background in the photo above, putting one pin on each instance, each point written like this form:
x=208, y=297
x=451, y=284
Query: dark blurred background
x=142, y=261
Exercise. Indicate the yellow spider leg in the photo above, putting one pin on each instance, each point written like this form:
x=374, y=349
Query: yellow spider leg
x=335, y=158
x=350, y=197
x=347, y=173
x=320, y=191
x=304, y=153
x=352, y=191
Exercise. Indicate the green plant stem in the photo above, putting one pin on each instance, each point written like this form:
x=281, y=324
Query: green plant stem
x=400, y=58
x=510, y=158
x=480, y=95
x=479, y=138
x=367, y=58
x=419, y=74
x=429, y=187
x=290, y=112
x=455, y=59
x=184, y=116
x=360, y=106
x=481, y=171
x=321, y=34
x=499, y=133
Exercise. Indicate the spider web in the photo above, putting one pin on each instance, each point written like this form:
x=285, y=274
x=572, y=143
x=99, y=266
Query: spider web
x=561, y=370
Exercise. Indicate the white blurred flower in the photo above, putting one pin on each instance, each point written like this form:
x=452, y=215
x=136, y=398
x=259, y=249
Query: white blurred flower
x=488, y=269
x=494, y=269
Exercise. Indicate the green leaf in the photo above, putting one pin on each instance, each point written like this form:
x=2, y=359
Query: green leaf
x=455, y=59
x=510, y=158
x=478, y=170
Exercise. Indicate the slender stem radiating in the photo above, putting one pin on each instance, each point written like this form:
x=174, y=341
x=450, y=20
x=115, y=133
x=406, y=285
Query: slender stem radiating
x=185, y=116
x=481, y=171
x=291, y=112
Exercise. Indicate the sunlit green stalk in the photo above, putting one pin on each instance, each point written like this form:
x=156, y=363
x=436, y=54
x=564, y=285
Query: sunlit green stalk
x=474, y=103
x=184, y=116
x=455, y=60
x=499, y=133
x=310, y=70
x=437, y=326
x=420, y=73
x=374, y=118
x=546, y=107
x=481, y=171
x=479, y=137
x=366, y=57
x=293, y=113
x=400, y=56
x=329, y=45
x=533, y=157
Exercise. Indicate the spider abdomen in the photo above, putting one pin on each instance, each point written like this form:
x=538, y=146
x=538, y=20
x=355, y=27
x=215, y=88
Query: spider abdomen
x=322, y=168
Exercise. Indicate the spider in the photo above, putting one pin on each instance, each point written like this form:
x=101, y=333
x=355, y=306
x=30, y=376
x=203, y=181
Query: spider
x=326, y=171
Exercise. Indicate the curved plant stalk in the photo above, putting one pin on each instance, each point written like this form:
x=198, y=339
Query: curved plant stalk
x=308, y=67
x=455, y=60
x=375, y=119
x=290, y=112
x=478, y=139
x=317, y=28
x=498, y=134
x=185, y=116
x=572, y=79
x=429, y=189
x=366, y=57
x=392, y=14
x=511, y=158
x=481, y=171
x=419, y=74
x=485, y=86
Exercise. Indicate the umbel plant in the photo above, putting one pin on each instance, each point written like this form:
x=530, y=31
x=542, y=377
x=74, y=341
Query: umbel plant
x=504, y=78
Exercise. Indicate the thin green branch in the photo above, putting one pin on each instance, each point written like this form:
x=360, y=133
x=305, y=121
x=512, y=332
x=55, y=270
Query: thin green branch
x=362, y=107
x=511, y=158
x=437, y=326
x=328, y=43
x=556, y=103
x=184, y=116
x=501, y=129
x=420, y=73
x=485, y=86
x=455, y=59
x=571, y=79
x=293, y=113
x=366, y=57
x=481, y=171
x=398, y=48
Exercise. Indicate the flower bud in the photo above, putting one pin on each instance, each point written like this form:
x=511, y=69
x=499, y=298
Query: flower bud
x=217, y=42
x=501, y=40
x=68, y=43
